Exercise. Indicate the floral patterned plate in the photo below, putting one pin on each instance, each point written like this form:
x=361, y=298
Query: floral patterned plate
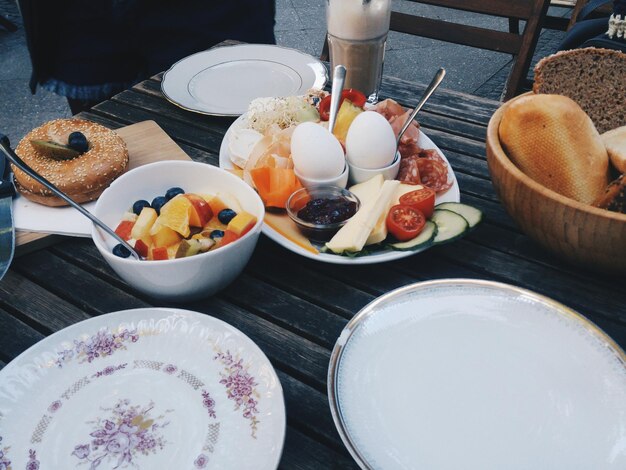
x=469, y=374
x=142, y=389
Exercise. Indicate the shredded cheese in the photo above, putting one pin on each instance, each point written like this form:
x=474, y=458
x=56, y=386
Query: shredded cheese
x=283, y=112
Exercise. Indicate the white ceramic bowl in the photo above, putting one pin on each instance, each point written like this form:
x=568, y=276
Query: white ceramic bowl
x=340, y=181
x=389, y=172
x=185, y=278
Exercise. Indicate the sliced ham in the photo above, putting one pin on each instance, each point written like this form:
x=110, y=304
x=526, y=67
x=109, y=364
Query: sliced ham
x=389, y=108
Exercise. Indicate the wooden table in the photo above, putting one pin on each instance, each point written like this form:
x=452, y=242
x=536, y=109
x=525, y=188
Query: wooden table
x=292, y=307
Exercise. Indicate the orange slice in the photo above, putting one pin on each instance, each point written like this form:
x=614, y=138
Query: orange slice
x=175, y=215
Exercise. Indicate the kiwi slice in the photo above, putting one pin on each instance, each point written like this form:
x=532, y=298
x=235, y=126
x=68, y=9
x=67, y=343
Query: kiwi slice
x=54, y=150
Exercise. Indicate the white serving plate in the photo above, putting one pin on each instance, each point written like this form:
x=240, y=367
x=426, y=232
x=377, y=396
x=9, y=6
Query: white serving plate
x=222, y=81
x=147, y=388
x=477, y=375
x=451, y=195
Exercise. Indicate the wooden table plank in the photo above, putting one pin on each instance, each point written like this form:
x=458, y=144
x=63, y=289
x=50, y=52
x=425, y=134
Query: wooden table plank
x=15, y=336
x=87, y=292
x=284, y=309
x=301, y=452
x=36, y=306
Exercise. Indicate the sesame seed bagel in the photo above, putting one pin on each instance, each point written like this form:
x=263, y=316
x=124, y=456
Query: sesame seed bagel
x=82, y=178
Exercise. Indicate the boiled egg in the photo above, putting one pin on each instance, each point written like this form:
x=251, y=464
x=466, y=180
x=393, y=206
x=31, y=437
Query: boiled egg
x=316, y=153
x=370, y=142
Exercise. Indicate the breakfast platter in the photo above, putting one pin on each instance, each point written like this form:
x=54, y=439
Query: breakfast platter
x=143, y=388
x=451, y=195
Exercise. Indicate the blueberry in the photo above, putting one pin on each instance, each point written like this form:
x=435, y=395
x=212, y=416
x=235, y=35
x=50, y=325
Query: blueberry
x=226, y=215
x=139, y=205
x=216, y=234
x=78, y=142
x=172, y=192
x=121, y=251
x=158, y=202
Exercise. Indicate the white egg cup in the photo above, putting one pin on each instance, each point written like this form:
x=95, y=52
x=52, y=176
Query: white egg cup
x=340, y=181
x=360, y=175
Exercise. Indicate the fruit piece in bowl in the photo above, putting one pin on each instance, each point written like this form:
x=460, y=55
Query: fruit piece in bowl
x=188, y=263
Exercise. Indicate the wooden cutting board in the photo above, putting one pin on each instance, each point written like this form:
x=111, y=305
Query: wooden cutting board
x=146, y=142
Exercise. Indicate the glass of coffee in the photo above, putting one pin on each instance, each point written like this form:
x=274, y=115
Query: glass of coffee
x=357, y=34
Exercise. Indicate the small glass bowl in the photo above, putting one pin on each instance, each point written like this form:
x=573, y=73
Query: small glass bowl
x=299, y=199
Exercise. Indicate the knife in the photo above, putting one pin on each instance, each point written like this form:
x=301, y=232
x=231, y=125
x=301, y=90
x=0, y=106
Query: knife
x=7, y=231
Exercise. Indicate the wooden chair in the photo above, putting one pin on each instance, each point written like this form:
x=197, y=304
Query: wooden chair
x=563, y=23
x=520, y=45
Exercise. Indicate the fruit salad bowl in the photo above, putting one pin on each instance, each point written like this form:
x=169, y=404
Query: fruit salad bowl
x=183, y=277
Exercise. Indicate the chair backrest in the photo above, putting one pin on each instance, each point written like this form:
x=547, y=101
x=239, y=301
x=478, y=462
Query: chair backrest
x=520, y=45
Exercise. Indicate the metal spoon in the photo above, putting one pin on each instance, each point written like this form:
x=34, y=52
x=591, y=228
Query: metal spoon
x=339, y=78
x=5, y=146
x=435, y=82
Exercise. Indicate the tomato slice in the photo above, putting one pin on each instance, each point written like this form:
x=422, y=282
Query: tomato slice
x=422, y=199
x=404, y=222
x=355, y=96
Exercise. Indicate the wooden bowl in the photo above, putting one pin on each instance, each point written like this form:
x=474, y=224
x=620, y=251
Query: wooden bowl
x=579, y=233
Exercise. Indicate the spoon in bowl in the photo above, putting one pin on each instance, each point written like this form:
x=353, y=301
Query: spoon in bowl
x=5, y=146
x=435, y=82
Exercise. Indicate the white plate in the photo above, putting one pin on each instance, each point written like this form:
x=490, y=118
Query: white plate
x=451, y=195
x=223, y=81
x=477, y=375
x=146, y=388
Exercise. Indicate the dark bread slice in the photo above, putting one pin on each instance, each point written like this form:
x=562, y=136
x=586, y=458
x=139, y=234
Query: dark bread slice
x=614, y=198
x=594, y=78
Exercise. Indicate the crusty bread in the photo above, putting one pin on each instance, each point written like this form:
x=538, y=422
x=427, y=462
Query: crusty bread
x=615, y=143
x=82, y=178
x=553, y=141
x=594, y=78
x=614, y=197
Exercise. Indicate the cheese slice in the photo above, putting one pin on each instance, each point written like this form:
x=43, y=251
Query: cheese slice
x=379, y=232
x=240, y=145
x=368, y=190
x=288, y=229
x=353, y=235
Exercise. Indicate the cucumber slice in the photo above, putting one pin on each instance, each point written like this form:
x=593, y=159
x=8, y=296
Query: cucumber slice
x=450, y=226
x=469, y=213
x=423, y=240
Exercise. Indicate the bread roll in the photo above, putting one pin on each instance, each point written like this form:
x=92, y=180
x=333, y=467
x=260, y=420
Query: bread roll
x=615, y=143
x=553, y=141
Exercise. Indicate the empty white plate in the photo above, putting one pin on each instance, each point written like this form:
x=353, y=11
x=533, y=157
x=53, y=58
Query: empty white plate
x=476, y=375
x=222, y=81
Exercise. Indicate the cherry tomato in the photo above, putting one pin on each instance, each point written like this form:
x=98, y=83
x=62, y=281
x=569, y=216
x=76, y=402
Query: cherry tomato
x=404, y=222
x=356, y=97
x=422, y=199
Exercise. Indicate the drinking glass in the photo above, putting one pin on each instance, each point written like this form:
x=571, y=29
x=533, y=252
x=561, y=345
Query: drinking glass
x=357, y=35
